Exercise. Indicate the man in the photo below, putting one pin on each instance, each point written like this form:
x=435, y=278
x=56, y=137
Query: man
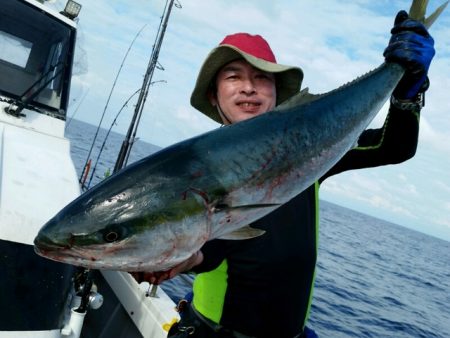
x=262, y=287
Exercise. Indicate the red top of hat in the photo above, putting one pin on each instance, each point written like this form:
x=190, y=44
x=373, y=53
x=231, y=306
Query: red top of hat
x=251, y=44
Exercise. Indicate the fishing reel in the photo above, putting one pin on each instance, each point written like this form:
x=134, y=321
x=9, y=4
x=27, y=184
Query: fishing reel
x=86, y=291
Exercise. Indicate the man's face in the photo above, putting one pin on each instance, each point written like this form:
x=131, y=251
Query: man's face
x=243, y=91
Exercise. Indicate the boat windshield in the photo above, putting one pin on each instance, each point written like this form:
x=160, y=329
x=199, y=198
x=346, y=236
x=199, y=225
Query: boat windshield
x=36, y=51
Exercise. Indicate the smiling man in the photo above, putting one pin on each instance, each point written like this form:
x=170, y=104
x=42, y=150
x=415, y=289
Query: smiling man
x=241, y=79
x=243, y=91
x=262, y=287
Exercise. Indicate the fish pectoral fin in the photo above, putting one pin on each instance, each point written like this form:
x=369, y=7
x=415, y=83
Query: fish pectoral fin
x=246, y=232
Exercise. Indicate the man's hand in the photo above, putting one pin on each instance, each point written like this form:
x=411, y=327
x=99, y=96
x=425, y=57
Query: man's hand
x=412, y=47
x=160, y=276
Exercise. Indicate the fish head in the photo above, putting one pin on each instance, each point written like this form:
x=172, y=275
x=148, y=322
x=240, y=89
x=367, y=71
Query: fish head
x=125, y=231
x=125, y=246
x=95, y=246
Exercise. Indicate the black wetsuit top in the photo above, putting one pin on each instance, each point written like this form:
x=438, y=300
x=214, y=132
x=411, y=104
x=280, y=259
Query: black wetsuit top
x=262, y=287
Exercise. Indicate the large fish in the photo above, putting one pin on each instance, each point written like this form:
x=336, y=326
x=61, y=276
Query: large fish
x=157, y=212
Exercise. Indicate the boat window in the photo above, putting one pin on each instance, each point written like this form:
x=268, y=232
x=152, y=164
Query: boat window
x=15, y=50
x=36, y=51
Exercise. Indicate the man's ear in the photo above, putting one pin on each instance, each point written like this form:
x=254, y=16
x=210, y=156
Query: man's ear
x=212, y=97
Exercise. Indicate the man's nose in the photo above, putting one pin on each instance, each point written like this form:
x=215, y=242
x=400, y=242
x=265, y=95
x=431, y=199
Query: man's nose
x=248, y=86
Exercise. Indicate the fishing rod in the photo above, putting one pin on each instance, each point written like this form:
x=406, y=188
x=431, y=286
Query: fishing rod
x=129, y=140
x=107, y=102
x=114, y=122
x=76, y=109
x=106, y=138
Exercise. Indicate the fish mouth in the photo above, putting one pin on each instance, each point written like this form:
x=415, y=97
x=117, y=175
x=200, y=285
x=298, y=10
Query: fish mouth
x=46, y=248
x=42, y=242
x=90, y=257
x=51, y=248
x=61, y=253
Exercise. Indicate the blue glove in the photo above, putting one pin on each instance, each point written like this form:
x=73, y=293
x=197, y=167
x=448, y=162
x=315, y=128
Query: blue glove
x=412, y=47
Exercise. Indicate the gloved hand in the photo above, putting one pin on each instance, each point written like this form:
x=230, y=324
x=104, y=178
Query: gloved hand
x=412, y=47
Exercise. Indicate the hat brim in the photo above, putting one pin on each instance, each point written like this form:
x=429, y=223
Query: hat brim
x=288, y=78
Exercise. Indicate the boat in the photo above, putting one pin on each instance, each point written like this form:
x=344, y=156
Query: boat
x=41, y=298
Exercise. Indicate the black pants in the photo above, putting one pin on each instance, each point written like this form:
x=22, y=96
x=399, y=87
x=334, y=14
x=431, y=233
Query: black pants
x=191, y=326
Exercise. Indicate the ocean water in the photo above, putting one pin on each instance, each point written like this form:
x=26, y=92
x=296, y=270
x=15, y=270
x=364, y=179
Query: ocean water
x=374, y=278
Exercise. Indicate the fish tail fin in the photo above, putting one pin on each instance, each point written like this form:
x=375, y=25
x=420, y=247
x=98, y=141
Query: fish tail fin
x=430, y=20
x=418, y=9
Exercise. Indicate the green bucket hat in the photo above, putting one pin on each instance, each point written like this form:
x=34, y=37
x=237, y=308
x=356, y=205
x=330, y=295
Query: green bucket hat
x=256, y=51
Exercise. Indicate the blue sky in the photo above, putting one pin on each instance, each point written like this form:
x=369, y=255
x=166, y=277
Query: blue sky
x=333, y=41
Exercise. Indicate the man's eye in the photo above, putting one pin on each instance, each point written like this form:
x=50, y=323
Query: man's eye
x=232, y=77
x=263, y=77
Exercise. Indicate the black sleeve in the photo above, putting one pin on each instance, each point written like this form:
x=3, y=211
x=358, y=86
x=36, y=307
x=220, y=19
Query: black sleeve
x=213, y=254
x=394, y=143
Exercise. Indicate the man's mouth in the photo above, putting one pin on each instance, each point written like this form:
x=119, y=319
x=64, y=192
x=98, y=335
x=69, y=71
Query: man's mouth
x=249, y=106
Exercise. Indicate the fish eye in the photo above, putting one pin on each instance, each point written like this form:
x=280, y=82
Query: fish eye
x=111, y=236
x=113, y=233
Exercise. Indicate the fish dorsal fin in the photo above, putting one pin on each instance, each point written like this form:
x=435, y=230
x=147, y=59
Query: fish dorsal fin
x=302, y=97
x=246, y=232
